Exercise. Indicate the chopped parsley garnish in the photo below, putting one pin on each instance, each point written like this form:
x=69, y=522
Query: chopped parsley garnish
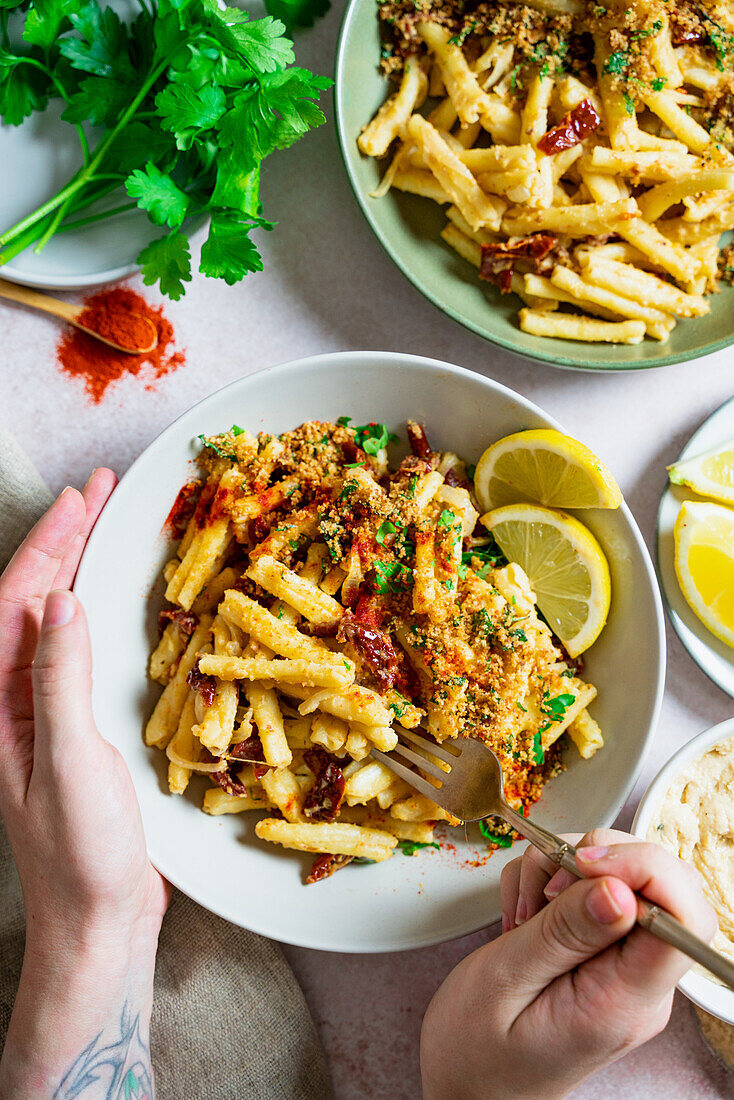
x=391, y=576
x=555, y=708
x=410, y=847
x=352, y=465
x=616, y=63
x=629, y=104
x=500, y=839
x=412, y=486
x=658, y=83
x=537, y=748
x=471, y=470
x=343, y=421
x=400, y=708
x=217, y=449
x=482, y=623
x=447, y=518
x=373, y=438
x=237, y=430
x=386, y=528
x=350, y=488
x=519, y=706
x=489, y=555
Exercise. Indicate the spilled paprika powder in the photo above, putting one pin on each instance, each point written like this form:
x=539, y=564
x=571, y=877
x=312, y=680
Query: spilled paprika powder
x=116, y=314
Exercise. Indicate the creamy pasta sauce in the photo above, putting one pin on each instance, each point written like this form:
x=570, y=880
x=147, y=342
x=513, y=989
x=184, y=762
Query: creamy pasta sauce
x=696, y=821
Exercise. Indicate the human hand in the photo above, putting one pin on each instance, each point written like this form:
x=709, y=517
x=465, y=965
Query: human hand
x=572, y=984
x=93, y=902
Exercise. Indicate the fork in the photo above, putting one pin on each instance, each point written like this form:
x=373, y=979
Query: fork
x=472, y=788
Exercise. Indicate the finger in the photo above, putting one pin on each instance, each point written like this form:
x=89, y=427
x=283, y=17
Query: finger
x=645, y=963
x=536, y=870
x=62, y=684
x=509, y=889
x=96, y=493
x=31, y=574
x=576, y=926
x=561, y=880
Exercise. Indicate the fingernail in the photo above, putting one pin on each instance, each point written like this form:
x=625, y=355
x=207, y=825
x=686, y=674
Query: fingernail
x=521, y=913
x=560, y=881
x=602, y=904
x=59, y=608
x=588, y=855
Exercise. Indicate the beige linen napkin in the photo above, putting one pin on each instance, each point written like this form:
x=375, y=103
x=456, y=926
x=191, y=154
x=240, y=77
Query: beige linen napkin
x=229, y=1019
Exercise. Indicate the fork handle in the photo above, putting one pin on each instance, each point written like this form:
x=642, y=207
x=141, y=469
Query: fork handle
x=656, y=920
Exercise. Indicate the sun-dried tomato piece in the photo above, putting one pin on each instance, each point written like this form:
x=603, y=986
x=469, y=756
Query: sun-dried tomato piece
x=351, y=452
x=573, y=128
x=325, y=865
x=183, y=508
x=249, y=750
x=454, y=479
x=186, y=621
x=418, y=440
x=370, y=611
x=498, y=260
x=323, y=800
x=203, y=684
x=373, y=645
x=682, y=35
x=228, y=781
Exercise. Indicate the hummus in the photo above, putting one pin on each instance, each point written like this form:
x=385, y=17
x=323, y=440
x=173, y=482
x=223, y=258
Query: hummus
x=696, y=821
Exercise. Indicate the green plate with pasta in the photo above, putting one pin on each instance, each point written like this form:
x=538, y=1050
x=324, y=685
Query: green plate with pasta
x=409, y=225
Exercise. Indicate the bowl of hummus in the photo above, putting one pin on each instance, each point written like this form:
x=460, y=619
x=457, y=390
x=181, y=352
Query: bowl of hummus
x=689, y=808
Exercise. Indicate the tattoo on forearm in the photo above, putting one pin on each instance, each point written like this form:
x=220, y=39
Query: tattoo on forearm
x=118, y=1070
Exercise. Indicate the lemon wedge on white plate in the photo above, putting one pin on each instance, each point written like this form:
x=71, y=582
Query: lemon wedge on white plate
x=710, y=474
x=704, y=564
x=544, y=466
x=566, y=567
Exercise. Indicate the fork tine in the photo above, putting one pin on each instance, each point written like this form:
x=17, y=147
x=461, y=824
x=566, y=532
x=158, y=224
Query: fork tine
x=416, y=781
x=420, y=761
x=428, y=746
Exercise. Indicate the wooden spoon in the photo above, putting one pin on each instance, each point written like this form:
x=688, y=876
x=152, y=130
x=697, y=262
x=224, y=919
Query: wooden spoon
x=71, y=313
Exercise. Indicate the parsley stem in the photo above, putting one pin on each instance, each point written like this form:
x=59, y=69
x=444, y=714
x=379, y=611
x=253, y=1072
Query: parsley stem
x=85, y=175
x=91, y=218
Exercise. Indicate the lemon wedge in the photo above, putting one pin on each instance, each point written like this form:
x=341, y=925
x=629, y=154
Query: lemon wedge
x=546, y=467
x=710, y=474
x=566, y=567
x=704, y=564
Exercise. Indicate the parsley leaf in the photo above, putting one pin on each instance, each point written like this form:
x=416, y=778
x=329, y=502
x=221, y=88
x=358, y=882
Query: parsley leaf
x=167, y=260
x=187, y=113
x=386, y=528
x=410, y=847
x=155, y=192
x=228, y=253
x=102, y=45
x=297, y=13
x=372, y=438
x=500, y=839
x=391, y=576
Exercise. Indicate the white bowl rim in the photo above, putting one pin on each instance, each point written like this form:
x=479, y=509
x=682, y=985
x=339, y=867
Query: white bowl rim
x=677, y=623
x=707, y=994
x=70, y=282
x=406, y=360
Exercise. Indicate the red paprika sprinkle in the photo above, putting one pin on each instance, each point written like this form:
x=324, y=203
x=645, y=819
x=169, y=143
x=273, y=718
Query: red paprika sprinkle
x=112, y=314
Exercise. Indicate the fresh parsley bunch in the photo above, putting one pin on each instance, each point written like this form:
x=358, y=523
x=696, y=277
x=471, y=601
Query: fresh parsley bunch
x=190, y=98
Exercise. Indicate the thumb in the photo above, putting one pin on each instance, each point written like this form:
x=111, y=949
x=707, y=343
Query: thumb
x=62, y=681
x=585, y=919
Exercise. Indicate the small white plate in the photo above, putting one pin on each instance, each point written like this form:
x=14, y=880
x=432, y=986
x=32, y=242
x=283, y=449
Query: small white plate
x=712, y=656
x=404, y=902
x=36, y=159
x=707, y=994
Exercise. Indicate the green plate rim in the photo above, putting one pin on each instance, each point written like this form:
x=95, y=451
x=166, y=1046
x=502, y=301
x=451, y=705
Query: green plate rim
x=347, y=141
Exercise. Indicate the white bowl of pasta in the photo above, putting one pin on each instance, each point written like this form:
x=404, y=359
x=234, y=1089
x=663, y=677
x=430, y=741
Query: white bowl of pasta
x=218, y=858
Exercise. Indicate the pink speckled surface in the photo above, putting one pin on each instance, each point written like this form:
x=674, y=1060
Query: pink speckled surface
x=327, y=285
